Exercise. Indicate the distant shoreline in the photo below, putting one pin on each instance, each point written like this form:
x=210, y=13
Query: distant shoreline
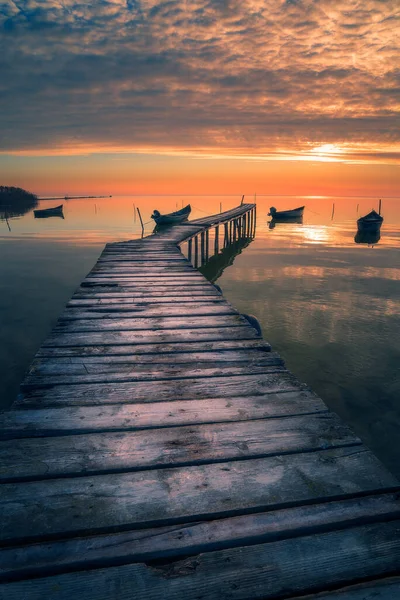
x=72, y=197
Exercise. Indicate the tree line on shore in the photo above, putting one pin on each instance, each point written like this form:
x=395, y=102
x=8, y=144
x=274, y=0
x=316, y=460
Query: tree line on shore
x=15, y=202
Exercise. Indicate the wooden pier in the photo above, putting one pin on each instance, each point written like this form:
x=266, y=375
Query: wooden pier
x=160, y=449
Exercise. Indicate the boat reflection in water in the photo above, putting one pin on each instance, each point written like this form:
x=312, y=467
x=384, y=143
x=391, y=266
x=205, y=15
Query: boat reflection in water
x=290, y=220
x=367, y=237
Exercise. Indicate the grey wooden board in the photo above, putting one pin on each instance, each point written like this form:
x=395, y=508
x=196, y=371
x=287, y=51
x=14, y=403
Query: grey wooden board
x=379, y=589
x=279, y=569
x=159, y=390
x=192, y=538
x=148, y=294
x=173, y=281
x=142, y=336
x=185, y=277
x=176, y=348
x=152, y=373
x=154, y=323
x=112, y=364
x=132, y=311
x=116, y=417
x=114, y=300
x=72, y=455
x=197, y=288
x=143, y=269
x=103, y=503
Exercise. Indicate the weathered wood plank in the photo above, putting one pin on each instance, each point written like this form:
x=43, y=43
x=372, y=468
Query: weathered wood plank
x=142, y=336
x=191, y=280
x=118, y=417
x=190, y=539
x=161, y=390
x=280, y=569
x=197, y=288
x=379, y=589
x=159, y=497
x=128, y=302
x=157, y=303
x=73, y=455
x=139, y=363
x=133, y=311
x=151, y=295
x=138, y=322
x=151, y=373
x=175, y=348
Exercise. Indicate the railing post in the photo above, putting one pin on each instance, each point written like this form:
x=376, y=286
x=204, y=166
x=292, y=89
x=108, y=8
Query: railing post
x=202, y=247
x=226, y=235
x=207, y=243
x=216, y=240
x=196, y=251
x=190, y=250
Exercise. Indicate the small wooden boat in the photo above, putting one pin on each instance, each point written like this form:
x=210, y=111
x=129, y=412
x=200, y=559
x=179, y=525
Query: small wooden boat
x=43, y=213
x=175, y=217
x=370, y=222
x=286, y=214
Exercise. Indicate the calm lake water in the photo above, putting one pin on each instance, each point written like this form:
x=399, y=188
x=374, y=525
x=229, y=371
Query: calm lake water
x=328, y=305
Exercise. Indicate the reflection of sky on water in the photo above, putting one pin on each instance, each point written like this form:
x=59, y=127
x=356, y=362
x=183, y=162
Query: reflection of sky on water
x=328, y=305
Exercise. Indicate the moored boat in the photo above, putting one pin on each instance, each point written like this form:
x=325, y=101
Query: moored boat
x=370, y=222
x=294, y=213
x=170, y=218
x=55, y=211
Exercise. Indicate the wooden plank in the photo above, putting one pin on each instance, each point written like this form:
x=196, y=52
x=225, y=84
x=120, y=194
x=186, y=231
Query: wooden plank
x=158, y=390
x=144, y=282
x=128, y=303
x=120, y=417
x=96, y=453
x=180, y=277
x=105, y=503
x=281, y=569
x=174, y=287
x=192, y=538
x=112, y=364
x=379, y=589
x=134, y=311
x=141, y=323
x=150, y=294
x=176, y=348
x=160, y=336
x=150, y=372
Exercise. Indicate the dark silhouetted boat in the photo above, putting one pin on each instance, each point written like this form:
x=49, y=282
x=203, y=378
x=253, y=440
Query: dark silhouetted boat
x=171, y=218
x=295, y=213
x=43, y=213
x=370, y=222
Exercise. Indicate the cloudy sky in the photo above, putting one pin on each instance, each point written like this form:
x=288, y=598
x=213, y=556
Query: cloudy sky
x=132, y=86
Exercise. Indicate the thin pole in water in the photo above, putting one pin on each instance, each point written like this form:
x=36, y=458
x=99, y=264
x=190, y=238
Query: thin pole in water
x=357, y=208
x=380, y=205
x=333, y=211
x=141, y=221
x=242, y=200
x=220, y=207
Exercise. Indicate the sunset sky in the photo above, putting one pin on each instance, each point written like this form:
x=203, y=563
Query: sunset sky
x=217, y=96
